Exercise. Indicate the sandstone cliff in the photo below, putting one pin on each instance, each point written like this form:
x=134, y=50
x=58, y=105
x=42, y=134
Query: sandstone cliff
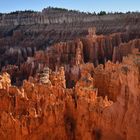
x=61, y=80
x=48, y=110
x=24, y=33
x=61, y=17
x=96, y=49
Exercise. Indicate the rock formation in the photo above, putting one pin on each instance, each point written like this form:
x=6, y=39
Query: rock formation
x=51, y=111
x=66, y=79
x=24, y=33
x=96, y=49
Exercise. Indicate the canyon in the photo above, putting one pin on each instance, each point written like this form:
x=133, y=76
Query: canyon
x=69, y=75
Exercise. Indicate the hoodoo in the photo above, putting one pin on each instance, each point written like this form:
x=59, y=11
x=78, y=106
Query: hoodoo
x=69, y=75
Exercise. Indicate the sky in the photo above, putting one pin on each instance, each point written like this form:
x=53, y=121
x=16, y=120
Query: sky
x=81, y=5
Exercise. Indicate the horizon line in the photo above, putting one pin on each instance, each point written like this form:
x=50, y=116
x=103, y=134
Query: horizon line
x=69, y=9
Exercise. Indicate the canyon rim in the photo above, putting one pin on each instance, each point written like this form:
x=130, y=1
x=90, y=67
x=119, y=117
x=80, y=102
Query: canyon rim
x=69, y=75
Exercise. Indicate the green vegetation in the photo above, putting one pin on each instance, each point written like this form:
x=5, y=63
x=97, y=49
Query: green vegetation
x=26, y=11
x=56, y=8
x=102, y=13
x=61, y=9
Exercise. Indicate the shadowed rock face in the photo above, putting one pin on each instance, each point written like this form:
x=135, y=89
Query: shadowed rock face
x=59, y=20
x=22, y=33
x=95, y=49
x=59, y=80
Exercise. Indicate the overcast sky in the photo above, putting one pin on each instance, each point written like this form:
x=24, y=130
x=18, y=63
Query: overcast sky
x=82, y=5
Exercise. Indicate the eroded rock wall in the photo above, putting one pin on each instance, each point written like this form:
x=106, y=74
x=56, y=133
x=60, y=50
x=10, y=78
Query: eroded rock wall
x=90, y=49
x=45, y=109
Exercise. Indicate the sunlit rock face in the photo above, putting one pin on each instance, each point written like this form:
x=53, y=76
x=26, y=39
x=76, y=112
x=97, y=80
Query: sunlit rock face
x=43, y=108
x=94, y=49
x=69, y=80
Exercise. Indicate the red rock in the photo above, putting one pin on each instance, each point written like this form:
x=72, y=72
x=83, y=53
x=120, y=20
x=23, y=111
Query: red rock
x=83, y=89
x=38, y=110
